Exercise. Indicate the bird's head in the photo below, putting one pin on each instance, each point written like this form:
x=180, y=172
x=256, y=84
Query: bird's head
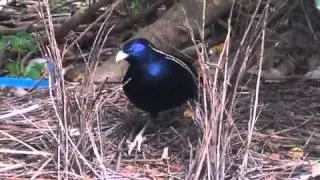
x=137, y=48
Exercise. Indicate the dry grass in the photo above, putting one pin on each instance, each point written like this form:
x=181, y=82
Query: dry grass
x=246, y=131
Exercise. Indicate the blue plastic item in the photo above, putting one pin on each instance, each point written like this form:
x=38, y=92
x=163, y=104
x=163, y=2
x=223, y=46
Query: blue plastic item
x=21, y=82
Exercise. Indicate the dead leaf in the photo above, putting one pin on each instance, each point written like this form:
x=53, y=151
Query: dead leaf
x=188, y=113
x=296, y=153
x=217, y=49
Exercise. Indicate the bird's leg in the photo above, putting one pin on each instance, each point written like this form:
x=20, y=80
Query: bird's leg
x=137, y=142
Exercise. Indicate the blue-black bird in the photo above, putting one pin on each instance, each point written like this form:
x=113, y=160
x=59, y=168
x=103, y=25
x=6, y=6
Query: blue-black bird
x=156, y=81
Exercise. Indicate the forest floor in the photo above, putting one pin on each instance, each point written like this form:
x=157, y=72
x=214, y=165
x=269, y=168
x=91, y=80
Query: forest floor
x=84, y=130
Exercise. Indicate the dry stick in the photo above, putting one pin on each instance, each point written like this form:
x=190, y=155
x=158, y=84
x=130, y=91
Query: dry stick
x=60, y=94
x=9, y=31
x=56, y=20
x=79, y=17
x=254, y=116
x=38, y=172
x=97, y=25
x=88, y=28
x=92, y=105
x=33, y=150
x=24, y=152
x=119, y=159
x=104, y=51
x=10, y=167
x=95, y=99
x=64, y=4
x=20, y=111
x=130, y=21
x=192, y=51
x=242, y=42
x=134, y=19
x=96, y=152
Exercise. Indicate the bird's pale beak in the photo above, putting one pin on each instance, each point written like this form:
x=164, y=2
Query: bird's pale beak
x=121, y=56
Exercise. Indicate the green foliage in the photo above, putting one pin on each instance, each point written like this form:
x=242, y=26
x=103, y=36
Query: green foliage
x=33, y=71
x=21, y=43
x=135, y=5
x=14, y=69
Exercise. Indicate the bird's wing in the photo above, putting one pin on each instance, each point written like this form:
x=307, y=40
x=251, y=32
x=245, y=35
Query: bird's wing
x=176, y=60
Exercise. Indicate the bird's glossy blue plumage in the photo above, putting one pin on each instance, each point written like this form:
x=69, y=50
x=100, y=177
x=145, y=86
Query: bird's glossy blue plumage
x=156, y=81
x=155, y=69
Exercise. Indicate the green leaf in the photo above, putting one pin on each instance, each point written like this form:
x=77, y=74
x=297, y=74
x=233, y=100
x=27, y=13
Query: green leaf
x=23, y=34
x=32, y=73
x=3, y=46
x=21, y=43
x=14, y=69
x=39, y=66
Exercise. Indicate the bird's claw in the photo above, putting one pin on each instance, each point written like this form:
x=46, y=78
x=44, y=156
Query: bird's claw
x=138, y=140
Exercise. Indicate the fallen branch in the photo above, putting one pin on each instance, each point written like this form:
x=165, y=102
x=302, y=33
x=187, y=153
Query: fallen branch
x=79, y=17
x=129, y=22
x=10, y=31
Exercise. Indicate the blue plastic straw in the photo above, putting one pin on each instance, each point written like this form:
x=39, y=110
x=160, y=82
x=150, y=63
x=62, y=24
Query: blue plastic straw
x=26, y=83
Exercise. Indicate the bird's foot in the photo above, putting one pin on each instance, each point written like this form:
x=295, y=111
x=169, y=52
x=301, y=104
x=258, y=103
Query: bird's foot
x=138, y=140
